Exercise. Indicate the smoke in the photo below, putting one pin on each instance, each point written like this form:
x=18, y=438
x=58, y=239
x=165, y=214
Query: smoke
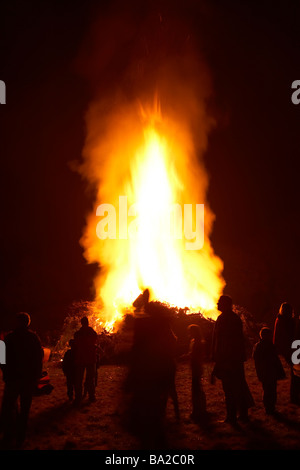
x=136, y=53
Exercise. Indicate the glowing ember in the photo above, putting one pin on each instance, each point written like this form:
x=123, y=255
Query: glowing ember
x=146, y=230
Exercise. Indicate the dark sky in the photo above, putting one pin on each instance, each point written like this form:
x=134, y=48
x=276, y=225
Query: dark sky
x=252, y=50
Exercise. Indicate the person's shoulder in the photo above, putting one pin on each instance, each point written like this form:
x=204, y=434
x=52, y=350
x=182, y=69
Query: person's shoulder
x=92, y=331
x=33, y=337
x=220, y=323
x=257, y=346
x=219, y=319
x=236, y=318
x=78, y=333
x=32, y=334
x=228, y=317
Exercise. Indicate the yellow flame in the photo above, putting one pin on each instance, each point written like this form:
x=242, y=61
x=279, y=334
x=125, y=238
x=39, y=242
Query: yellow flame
x=150, y=159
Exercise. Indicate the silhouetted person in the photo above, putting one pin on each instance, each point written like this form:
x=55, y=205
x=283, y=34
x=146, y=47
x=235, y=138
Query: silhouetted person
x=161, y=361
x=229, y=357
x=85, y=341
x=268, y=368
x=23, y=368
x=142, y=301
x=196, y=354
x=284, y=334
x=151, y=378
x=69, y=370
x=284, y=331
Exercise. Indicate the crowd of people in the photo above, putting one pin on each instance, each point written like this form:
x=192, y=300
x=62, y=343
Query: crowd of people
x=22, y=372
x=151, y=378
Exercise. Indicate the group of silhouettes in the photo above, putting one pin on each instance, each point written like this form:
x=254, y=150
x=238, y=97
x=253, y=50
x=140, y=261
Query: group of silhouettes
x=151, y=378
x=80, y=361
x=23, y=371
x=229, y=356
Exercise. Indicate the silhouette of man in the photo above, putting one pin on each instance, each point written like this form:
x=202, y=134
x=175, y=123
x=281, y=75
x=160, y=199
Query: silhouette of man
x=229, y=357
x=284, y=333
x=85, y=343
x=268, y=368
x=23, y=368
x=151, y=378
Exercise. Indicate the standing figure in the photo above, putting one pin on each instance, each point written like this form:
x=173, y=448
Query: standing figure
x=283, y=336
x=229, y=357
x=23, y=368
x=268, y=368
x=151, y=377
x=196, y=360
x=85, y=343
x=68, y=367
x=284, y=331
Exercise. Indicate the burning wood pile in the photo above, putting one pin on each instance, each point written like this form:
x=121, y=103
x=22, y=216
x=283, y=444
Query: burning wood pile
x=115, y=344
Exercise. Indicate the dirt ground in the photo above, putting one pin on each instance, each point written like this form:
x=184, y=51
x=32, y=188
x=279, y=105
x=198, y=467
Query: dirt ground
x=55, y=424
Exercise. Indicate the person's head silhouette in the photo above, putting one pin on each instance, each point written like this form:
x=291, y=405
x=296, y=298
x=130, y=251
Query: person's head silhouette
x=146, y=296
x=265, y=334
x=194, y=331
x=84, y=322
x=286, y=310
x=22, y=320
x=225, y=303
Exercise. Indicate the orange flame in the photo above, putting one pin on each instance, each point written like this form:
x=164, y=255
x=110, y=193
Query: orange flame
x=146, y=170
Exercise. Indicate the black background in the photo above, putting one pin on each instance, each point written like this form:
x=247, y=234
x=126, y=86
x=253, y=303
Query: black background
x=252, y=50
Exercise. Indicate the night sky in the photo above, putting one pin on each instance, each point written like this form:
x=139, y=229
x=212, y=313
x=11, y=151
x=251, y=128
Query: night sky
x=252, y=50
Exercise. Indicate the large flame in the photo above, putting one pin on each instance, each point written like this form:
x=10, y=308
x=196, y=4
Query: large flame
x=145, y=167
